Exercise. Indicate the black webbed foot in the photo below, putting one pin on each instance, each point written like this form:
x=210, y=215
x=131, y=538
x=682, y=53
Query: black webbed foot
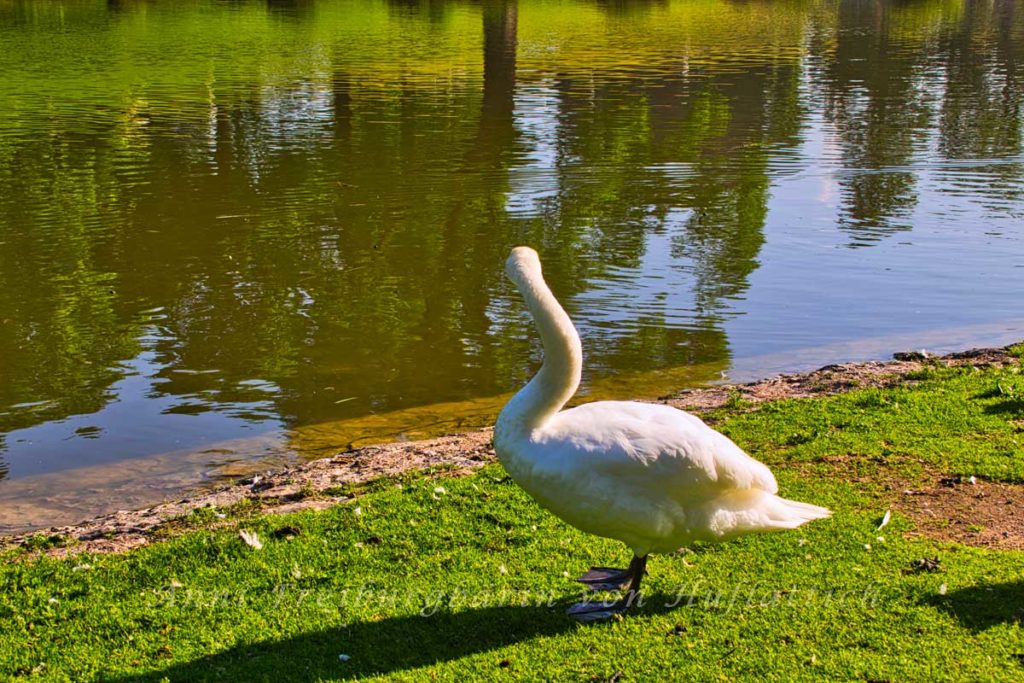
x=606, y=579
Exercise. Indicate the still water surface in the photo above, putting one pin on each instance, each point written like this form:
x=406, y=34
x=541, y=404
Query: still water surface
x=266, y=230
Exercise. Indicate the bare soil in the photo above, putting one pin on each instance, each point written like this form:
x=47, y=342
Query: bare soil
x=980, y=513
x=988, y=514
x=983, y=513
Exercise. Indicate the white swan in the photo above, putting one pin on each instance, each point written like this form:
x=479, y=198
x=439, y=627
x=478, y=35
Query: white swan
x=654, y=477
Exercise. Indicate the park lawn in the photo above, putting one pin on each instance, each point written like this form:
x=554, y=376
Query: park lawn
x=466, y=578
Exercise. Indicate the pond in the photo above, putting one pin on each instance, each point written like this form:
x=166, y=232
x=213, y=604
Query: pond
x=239, y=233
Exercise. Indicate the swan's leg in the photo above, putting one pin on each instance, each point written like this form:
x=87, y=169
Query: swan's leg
x=638, y=567
x=595, y=611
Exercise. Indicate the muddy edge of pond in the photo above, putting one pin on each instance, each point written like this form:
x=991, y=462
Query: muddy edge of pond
x=323, y=483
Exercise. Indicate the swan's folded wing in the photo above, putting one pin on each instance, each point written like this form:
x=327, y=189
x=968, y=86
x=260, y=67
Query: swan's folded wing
x=656, y=444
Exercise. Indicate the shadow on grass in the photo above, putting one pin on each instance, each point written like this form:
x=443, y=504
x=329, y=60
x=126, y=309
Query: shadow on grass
x=984, y=606
x=1010, y=402
x=381, y=647
x=1012, y=407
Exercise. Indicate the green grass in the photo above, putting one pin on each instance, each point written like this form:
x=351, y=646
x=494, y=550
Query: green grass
x=469, y=581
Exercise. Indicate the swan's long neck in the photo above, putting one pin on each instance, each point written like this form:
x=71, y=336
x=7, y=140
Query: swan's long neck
x=559, y=375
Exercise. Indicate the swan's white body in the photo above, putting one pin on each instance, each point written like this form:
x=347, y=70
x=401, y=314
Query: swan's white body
x=649, y=475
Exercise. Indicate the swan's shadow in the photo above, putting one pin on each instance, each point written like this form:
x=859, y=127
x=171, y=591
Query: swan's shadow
x=983, y=606
x=380, y=647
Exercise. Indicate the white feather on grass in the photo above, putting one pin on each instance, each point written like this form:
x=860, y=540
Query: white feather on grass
x=885, y=519
x=251, y=539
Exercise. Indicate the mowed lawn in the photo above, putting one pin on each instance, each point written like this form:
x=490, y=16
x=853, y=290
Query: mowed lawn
x=442, y=578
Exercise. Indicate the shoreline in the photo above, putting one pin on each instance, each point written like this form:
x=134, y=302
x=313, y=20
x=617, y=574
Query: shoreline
x=71, y=496
x=323, y=483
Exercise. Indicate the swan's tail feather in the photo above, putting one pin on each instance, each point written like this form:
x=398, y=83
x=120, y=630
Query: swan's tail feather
x=752, y=510
x=789, y=514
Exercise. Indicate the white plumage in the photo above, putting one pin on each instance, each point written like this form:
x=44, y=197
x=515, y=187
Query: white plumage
x=651, y=476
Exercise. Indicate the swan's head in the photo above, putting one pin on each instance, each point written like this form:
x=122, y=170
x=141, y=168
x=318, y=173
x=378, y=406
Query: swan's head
x=523, y=265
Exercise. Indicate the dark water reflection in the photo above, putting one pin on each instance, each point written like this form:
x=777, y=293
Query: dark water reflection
x=228, y=219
